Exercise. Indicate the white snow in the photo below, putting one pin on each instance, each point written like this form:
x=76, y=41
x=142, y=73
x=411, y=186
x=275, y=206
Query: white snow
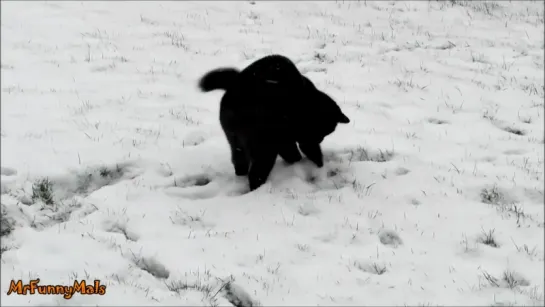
x=100, y=98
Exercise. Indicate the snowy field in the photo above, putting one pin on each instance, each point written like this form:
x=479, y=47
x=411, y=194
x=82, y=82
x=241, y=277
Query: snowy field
x=115, y=168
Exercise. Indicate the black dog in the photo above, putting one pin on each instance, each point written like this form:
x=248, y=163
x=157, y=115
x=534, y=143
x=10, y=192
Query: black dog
x=267, y=108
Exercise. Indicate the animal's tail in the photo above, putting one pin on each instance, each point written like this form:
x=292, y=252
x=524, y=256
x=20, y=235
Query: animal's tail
x=218, y=79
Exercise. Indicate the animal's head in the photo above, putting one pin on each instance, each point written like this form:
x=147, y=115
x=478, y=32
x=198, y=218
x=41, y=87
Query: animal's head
x=327, y=116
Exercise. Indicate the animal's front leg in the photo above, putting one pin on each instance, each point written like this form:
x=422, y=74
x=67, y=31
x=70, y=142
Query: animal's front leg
x=240, y=162
x=290, y=153
x=238, y=156
x=261, y=166
x=313, y=153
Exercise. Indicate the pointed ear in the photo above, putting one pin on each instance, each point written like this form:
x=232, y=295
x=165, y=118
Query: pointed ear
x=343, y=119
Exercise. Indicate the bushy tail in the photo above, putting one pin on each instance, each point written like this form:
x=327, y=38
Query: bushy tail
x=218, y=79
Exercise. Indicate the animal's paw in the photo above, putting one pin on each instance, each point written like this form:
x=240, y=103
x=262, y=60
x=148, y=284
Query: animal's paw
x=241, y=171
x=255, y=182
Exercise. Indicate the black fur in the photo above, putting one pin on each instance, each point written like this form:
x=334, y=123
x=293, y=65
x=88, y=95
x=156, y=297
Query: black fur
x=266, y=110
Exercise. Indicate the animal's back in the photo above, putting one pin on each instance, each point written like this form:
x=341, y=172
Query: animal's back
x=274, y=70
x=264, y=91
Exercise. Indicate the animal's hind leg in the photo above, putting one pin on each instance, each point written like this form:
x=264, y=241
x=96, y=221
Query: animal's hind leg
x=290, y=153
x=313, y=153
x=262, y=163
x=238, y=156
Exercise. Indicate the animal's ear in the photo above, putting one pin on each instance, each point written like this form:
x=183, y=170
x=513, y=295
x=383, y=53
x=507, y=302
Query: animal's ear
x=343, y=119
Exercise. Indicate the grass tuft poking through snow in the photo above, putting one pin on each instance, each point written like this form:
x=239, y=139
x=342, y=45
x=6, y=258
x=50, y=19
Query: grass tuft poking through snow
x=488, y=238
x=42, y=190
x=114, y=166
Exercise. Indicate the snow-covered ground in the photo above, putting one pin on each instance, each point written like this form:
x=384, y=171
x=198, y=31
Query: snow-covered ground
x=114, y=165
